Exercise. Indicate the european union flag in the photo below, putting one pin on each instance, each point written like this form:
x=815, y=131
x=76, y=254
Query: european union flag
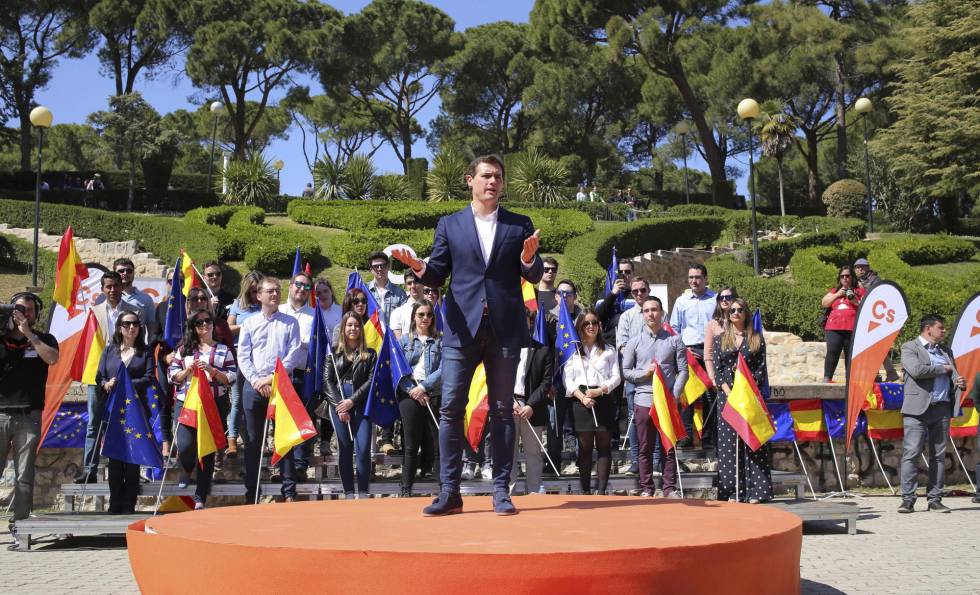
x=893, y=393
x=566, y=338
x=154, y=400
x=297, y=263
x=315, y=357
x=834, y=414
x=440, y=314
x=782, y=420
x=173, y=327
x=128, y=436
x=540, y=334
x=391, y=366
x=68, y=428
x=611, y=272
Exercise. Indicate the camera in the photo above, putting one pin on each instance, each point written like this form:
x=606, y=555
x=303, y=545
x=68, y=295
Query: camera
x=849, y=294
x=620, y=275
x=6, y=311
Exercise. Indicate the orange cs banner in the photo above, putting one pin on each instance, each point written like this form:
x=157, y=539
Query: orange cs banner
x=880, y=317
x=966, y=342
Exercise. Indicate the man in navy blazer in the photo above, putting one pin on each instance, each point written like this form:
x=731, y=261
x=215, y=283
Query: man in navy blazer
x=484, y=250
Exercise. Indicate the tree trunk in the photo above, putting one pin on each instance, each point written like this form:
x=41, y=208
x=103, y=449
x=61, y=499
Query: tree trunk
x=841, y=124
x=713, y=154
x=782, y=202
x=406, y=134
x=813, y=173
x=25, y=139
x=132, y=181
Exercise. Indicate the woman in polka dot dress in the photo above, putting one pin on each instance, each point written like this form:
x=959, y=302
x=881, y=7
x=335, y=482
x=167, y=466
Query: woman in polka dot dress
x=754, y=472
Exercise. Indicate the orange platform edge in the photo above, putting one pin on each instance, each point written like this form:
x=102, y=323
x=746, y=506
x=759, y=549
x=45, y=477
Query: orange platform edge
x=557, y=544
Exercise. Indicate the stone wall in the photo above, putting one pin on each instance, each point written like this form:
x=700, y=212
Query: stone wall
x=95, y=251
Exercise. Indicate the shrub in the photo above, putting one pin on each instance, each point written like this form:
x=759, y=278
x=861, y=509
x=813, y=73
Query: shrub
x=417, y=169
x=272, y=250
x=359, y=174
x=391, y=187
x=18, y=255
x=539, y=179
x=329, y=178
x=251, y=182
x=352, y=250
x=558, y=226
x=447, y=178
x=846, y=198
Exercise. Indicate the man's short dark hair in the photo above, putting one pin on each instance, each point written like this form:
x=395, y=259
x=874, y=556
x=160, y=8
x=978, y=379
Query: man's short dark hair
x=639, y=279
x=652, y=298
x=302, y=274
x=411, y=274
x=626, y=262
x=212, y=263
x=110, y=275
x=700, y=267
x=929, y=320
x=550, y=260
x=491, y=159
x=122, y=261
x=379, y=255
x=567, y=282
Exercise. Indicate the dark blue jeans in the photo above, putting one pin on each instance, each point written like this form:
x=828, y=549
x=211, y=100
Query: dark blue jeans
x=458, y=365
x=93, y=431
x=361, y=428
x=254, y=438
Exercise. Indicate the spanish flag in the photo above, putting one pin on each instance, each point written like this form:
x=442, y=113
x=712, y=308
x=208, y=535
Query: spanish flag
x=293, y=423
x=745, y=410
x=477, y=407
x=88, y=353
x=966, y=424
x=664, y=412
x=808, y=420
x=697, y=380
x=201, y=412
x=699, y=417
x=529, y=295
x=187, y=272
x=69, y=274
x=885, y=424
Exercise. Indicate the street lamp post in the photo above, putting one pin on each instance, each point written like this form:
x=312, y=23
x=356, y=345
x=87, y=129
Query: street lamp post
x=863, y=107
x=748, y=109
x=278, y=165
x=41, y=118
x=683, y=129
x=215, y=108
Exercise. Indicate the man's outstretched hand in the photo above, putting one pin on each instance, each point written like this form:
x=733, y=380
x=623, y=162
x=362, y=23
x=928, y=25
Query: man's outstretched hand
x=531, y=246
x=407, y=258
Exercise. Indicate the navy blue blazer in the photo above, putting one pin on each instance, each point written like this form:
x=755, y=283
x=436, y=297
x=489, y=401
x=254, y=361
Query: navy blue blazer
x=141, y=368
x=497, y=285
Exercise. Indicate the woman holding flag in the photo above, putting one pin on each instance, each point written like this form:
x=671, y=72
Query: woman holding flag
x=754, y=474
x=590, y=375
x=347, y=380
x=716, y=326
x=423, y=350
x=129, y=348
x=200, y=351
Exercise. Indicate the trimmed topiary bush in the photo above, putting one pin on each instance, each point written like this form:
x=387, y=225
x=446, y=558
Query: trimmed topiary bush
x=846, y=198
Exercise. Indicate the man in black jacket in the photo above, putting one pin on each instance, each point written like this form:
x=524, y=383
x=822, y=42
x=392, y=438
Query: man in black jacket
x=531, y=390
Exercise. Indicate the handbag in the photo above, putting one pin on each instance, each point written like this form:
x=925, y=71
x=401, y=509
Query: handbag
x=822, y=319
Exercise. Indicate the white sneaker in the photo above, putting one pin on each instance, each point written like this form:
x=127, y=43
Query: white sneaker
x=487, y=472
x=469, y=471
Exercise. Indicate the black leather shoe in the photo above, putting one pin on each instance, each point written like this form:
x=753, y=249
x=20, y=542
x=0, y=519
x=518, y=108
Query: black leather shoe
x=906, y=507
x=939, y=507
x=443, y=504
x=502, y=505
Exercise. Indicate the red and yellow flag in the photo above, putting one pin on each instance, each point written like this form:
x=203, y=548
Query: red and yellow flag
x=745, y=410
x=477, y=407
x=187, y=272
x=966, y=424
x=664, y=412
x=293, y=423
x=530, y=297
x=699, y=417
x=201, y=412
x=808, y=421
x=885, y=424
x=177, y=504
x=85, y=364
x=697, y=380
x=69, y=274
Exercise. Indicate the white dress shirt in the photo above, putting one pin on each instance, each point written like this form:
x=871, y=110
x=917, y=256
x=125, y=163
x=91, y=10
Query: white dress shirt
x=600, y=368
x=401, y=318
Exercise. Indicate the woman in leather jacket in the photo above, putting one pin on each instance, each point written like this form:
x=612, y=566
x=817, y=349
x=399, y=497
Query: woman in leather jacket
x=346, y=380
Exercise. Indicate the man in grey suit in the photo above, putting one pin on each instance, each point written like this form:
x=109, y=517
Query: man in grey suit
x=932, y=397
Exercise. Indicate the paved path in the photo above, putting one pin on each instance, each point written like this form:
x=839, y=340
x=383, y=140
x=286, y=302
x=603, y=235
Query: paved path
x=922, y=553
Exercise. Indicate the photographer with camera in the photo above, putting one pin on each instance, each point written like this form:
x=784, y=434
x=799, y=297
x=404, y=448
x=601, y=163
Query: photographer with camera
x=841, y=304
x=24, y=359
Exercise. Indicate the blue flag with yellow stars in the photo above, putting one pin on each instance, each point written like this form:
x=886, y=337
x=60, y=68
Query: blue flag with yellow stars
x=566, y=338
x=154, y=400
x=440, y=313
x=540, y=334
x=834, y=414
x=315, y=357
x=782, y=421
x=128, y=435
x=391, y=366
x=297, y=263
x=68, y=428
x=173, y=326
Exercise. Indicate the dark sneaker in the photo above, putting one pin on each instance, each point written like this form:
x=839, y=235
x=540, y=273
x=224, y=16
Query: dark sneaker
x=939, y=507
x=906, y=507
x=443, y=504
x=502, y=505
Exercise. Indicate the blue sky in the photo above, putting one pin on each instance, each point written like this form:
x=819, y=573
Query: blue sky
x=78, y=89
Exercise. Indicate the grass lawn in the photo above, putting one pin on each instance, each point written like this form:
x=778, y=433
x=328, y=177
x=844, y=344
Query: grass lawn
x=969, y=268
x=11, y=282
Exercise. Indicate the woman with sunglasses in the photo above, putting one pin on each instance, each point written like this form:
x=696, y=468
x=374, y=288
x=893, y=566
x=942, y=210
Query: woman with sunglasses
x=346, y=380
x=128, y=347
x=200, y=351
x=247, y=304
x=716, y=326
x=755, y=467
x=418, y=396
x=841, y=303
x=590, y=375
x=355, y=301
x=198, y=299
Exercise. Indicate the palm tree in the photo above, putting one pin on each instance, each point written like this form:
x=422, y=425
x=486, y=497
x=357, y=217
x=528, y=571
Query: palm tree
x=776, y=136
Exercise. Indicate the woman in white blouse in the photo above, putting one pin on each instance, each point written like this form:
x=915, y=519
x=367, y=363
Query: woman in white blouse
x=590, y=376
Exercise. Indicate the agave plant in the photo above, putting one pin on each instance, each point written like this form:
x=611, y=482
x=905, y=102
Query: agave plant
x=538, y=178
x=390, y=187
x=251, y=181
x=447, y=178
x=330, y=179
x=359, y=174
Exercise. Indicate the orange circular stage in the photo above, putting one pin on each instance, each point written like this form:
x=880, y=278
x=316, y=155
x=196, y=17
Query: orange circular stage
x=570, y=544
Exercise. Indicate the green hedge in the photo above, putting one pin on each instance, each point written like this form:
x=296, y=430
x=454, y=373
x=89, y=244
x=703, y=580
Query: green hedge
x=16, y=254
x=352, y=250
x=588, y=255
x=144, y=200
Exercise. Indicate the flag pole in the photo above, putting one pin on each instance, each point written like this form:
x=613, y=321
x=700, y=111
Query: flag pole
x=201, y=277
x=340, y=388
x=166, y=465
x=880, y=466
x=960, y=459
x=738, y=444
x=258, y=478
x=543, y=449
x=803, y=467
x=833, y=453
x=626, y=441
x=92, y=461
x=680, y=482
